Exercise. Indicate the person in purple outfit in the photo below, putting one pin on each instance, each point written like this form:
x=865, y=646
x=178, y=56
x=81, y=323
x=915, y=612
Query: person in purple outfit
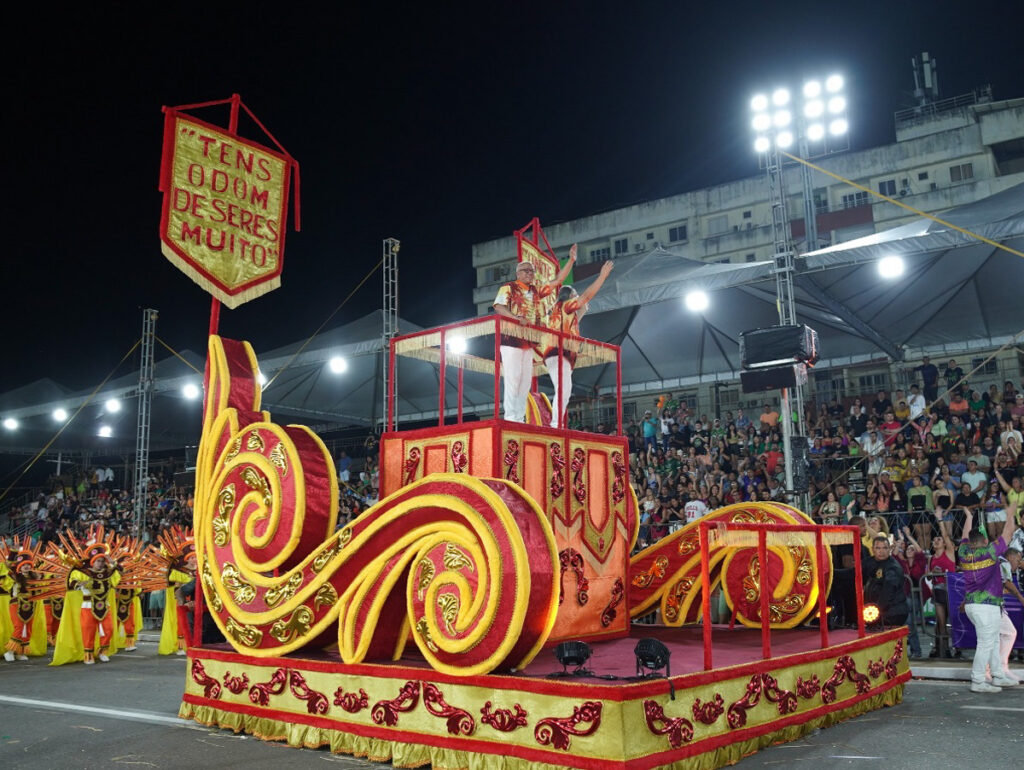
x=983, y=602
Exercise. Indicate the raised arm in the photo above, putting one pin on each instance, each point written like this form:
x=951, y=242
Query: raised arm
x=999, y=477
x=592, y=290
x=564, y=272
x=910, y=538
x=1011, y=520
x=968, y=522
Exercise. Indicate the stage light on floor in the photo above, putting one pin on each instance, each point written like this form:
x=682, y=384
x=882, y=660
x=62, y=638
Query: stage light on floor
x=11, y=424
x=113, y=405
x=456, y=345
x=105, y=431
x=60, y=415
x=574, y=654
x=190, y=391
x=651, y=657
x=871, y=614
x=338, y=364
x=261, y=378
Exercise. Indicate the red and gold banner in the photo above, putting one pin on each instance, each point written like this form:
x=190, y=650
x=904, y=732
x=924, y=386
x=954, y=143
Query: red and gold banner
x=224, y=209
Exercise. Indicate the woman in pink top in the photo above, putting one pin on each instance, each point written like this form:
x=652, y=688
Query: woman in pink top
x=943, y=560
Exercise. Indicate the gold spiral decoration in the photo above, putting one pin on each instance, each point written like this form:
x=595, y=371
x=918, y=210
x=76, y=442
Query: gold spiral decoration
x=243, y=593
x=473, y=557
x=298, y=624
x=277, y=594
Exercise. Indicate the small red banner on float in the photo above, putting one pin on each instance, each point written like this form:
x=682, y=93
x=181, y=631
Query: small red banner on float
x=224, y=209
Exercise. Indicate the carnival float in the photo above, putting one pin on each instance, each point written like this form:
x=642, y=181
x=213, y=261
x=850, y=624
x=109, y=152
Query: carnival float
x=482, y=614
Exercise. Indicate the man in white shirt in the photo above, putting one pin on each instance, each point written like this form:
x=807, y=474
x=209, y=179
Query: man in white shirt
x=874, y=447
x=694, y=509
x=977, y=479
x=916, y=402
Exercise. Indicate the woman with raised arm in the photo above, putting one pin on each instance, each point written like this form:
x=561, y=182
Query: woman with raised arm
x=943, y=560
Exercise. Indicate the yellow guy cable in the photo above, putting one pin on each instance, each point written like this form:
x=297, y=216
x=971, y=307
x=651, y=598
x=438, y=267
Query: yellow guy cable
x=901, y=204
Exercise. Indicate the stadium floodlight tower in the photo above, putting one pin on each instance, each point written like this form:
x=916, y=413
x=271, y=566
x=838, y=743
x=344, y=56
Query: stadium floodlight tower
x=816, y=125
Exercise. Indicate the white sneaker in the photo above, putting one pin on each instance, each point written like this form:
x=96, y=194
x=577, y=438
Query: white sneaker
x=130, y=649
x=23, y=657
x=985, y=687
x=104, y=659
x=1002, y=681
x=89, y=662
x=9, y=656
x=180, y=652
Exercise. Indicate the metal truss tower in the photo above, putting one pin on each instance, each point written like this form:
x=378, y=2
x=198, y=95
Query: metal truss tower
x=390, y=330
x=146, y=382
x=792, y=399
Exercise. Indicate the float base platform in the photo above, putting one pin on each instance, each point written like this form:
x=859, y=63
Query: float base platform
x=410, y=715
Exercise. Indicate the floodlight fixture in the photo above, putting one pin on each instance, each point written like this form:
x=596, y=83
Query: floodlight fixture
x=113, y=405
x=759, y=103
x=60, y=415
x=261, y=378
x=696, y=301
x=575, y=654
x=812, y=89
x=651, y=657
x=190, y=391
x=780, y=97
x=834, y=84
x=838, y=127
x=816, y=132
x=836, y=104
x=872, y=617
x=784, y=139
x=105, y=431
x=891, y=267
x=782, y=118
x=762, y=144
x=338, y=365
x=762, y=121
x=11, y=424
x=456, y=345
x=814, y=108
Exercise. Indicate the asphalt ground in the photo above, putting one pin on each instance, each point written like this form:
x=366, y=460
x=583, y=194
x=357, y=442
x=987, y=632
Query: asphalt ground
x=123, y=714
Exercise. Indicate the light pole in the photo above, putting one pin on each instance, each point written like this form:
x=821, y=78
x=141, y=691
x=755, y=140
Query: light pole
x=777, y=124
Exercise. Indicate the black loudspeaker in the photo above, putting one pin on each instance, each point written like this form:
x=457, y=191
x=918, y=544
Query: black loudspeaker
x=773, y=378
x=798, y=446
x=777, y=345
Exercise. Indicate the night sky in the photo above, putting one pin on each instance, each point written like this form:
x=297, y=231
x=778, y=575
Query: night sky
x=440, y=127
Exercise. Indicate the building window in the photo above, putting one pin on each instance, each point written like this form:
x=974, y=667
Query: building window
x=821, y=200
x=887, y=187
x=961, y=173
x=650, y=236
x=596, y=254
x=855, y=199
x=869, y=383
x=989, y=367
x=751, y=258
x=746, y=215
x=621, y=246
x=922, y=176
x=497, y=274
x=718, y=225
x=722, y=261
x=676, y=234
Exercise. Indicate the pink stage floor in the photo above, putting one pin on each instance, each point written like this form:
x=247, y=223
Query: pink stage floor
x=615, y=657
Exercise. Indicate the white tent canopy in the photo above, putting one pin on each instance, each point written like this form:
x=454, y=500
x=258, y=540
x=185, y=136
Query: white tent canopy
x=957, y=293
